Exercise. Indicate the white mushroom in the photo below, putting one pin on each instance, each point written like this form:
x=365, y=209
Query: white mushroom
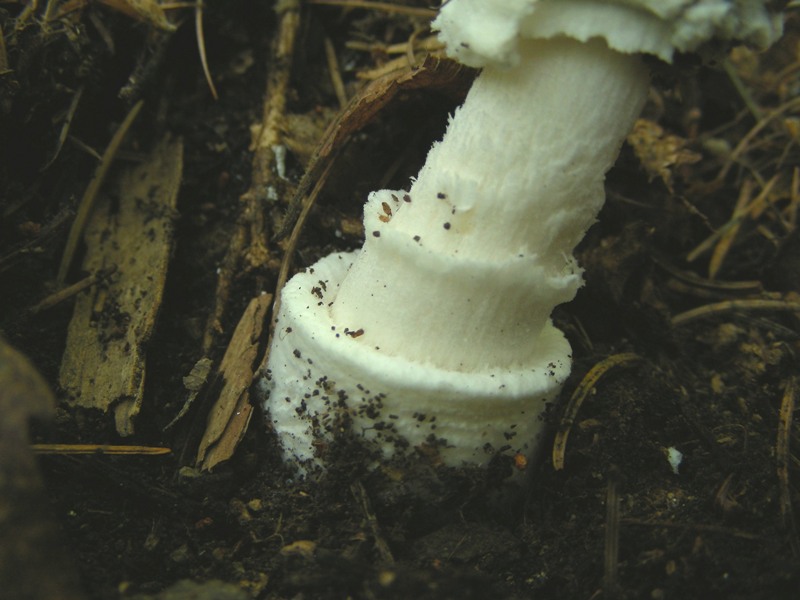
x=438, y=333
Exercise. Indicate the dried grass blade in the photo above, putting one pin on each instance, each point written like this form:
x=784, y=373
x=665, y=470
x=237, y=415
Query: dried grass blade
x=783, y=454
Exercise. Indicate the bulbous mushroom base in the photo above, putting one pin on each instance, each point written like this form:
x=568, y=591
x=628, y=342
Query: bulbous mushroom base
x=394, y=405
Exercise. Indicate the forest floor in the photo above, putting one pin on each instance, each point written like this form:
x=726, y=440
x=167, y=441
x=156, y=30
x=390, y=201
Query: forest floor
x=678, y=478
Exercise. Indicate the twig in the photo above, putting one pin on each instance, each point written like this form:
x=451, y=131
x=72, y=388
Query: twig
x=744, y=143
x=730, y=306
x=782, y=454
x=725, y=235
x=742, y=89
x=248, y=243
x=99, y=449
x=87, y=202
x=746, y=535
x=69, y=291
x=86, y=148
x=428, y=44
x=360, y=494
x=585, y=387
x=707, y=287
x=4, y=66
x=388, y=7
x=794, y=201
x=201, y=48
x=335, y=73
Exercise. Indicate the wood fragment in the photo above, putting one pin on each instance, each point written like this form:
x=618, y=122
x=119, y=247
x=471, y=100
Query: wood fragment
x=782, y=455
x=585, y=387
x=103, y=366
x=194, y=382
x=230, y=415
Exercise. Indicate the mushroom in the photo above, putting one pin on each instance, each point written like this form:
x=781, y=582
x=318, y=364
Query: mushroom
x=436, y=335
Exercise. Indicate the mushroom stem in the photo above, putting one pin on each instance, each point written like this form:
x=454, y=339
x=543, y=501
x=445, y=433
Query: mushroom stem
x=437, y=333
x=466, y=274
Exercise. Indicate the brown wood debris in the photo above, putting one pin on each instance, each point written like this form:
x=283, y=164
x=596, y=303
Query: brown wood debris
x=103, y=366
x=229, y=416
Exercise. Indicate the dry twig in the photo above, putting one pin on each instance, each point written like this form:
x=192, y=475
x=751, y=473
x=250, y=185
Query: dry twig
x=585, y=387
x=201, y=48
x=745, y=143
x=387, y=7
x=733, y=306
x=72, y=449
x=361, y=496
x=248, y=243
x=783, y=456
x=69, y=291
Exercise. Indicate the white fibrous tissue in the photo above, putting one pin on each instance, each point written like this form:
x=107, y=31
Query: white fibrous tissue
x=324, y=381
x=482, y=32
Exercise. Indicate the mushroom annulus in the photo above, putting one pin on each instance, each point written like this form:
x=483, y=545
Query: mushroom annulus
x=436, y=336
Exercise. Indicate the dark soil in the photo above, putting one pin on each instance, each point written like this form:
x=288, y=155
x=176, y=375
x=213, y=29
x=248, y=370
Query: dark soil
x=720, y=525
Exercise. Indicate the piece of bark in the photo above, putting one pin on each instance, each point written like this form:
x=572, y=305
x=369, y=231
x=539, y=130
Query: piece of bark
x=229, y=416
x=103, y=366
x=34, y=563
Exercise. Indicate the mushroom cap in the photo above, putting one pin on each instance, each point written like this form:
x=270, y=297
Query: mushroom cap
x=482, y=32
